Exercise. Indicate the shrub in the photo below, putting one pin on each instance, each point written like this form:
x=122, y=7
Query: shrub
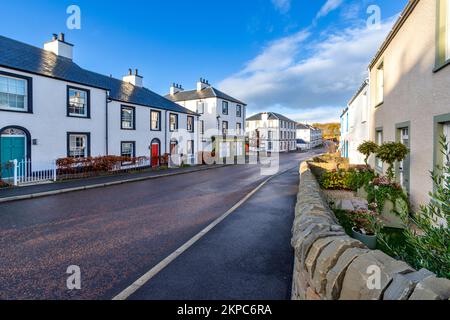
x=335, y=180
x=391, y=152
x=368, y=148
x=429, y=247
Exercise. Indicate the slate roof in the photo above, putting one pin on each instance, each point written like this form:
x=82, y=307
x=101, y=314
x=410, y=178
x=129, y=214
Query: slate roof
x=272, y=116
x=23, y=57
x=209, y=92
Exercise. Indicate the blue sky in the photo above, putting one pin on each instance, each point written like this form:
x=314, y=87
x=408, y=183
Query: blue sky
x=303, y=58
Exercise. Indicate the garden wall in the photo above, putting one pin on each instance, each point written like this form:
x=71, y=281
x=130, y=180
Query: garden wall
x=330, y=265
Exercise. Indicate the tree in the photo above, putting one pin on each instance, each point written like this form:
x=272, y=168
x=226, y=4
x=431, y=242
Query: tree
x=367, y=148
x=391, y=152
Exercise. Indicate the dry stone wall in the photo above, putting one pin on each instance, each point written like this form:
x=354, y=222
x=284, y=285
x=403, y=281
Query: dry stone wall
x=330, y=265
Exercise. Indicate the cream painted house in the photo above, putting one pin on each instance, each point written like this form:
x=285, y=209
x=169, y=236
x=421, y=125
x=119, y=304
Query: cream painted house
x=410, y=92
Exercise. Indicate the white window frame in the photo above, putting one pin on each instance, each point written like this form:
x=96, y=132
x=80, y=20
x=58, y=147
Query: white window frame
x=77, y=104
x=200, y=107
x=75, y=150
x=122, y=121
x=190, y=127
x=225, y=106
x=380, y=83
x=379, y=141
x=158, y=120
x=8, y=93
x=132, y=151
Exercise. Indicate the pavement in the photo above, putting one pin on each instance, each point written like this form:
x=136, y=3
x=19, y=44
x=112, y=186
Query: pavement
x=116, y=234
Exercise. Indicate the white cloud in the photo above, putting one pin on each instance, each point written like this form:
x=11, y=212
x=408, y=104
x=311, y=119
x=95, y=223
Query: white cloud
x=316, y=85
x=329, y=6
x=282, y=6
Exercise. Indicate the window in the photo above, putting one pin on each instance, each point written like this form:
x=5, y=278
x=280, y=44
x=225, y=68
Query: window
x=270, y=135
x=128, y=118
x=173, y=146
x=379, y=141
x=238, y=128
x=200, y=107
x=269, y=146
x=155, y=120
x=173, y=122
x=190, y=147
x=127, y=149
x=78, y=102
x=380, y=83
x=238, y=111
x=225, y=107
x=14, y=93
x=202, y=127
x=78, y=145
x=190, y=124
x=224, y=127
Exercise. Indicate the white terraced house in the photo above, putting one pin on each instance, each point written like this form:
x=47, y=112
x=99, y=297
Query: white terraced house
x=222, y=118
x=271, y=132
x=356, y=120
x=309, y=136
x=52, y=108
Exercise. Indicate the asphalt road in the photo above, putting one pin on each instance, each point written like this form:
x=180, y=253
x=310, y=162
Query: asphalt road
x=113, y=234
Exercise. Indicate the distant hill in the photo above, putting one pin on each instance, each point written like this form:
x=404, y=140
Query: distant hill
x=331, y=131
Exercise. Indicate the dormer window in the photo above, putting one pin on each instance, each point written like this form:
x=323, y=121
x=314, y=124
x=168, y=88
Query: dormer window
x=78, y=104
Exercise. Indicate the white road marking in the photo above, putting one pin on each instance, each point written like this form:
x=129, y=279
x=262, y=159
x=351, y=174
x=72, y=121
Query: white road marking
x=125, y=294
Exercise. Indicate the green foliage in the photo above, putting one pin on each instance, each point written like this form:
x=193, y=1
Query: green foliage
x=360, y=220
x=367, y=148
x=381, y=190
x=429, y=246
x=346, y=179
x=391, y=152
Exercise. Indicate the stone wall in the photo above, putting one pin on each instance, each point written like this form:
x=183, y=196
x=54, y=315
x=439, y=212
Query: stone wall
x=330, y=265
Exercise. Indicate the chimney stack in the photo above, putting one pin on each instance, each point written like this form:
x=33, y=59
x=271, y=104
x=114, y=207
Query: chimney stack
x=59, y=46
x=135, y=79
x=175, y=88
x=202, y=84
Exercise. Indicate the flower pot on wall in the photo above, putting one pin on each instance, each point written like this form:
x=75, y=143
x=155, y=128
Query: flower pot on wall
x=369, y=240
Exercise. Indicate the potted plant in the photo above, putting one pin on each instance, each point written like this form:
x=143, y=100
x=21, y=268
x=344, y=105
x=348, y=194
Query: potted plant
x=366, y=227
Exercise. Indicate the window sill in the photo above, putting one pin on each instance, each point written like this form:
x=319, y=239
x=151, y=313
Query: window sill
x=155, y=130
x=78, y=117
x=379, y=104
x=16, y=111
x=441, y=66
x=128, y=129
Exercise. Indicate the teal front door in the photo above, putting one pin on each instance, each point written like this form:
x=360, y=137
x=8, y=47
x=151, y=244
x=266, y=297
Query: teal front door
x=11, y=148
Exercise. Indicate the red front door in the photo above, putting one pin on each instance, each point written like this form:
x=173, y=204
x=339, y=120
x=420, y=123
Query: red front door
x=155, y=155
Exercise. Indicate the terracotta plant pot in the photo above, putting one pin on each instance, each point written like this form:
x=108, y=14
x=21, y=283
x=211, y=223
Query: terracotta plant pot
x=369, y=240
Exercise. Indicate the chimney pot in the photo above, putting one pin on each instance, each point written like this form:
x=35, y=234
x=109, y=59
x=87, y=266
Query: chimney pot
x=55, y=37
x=130, y=72
x=62, y=37
x=136, y=72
